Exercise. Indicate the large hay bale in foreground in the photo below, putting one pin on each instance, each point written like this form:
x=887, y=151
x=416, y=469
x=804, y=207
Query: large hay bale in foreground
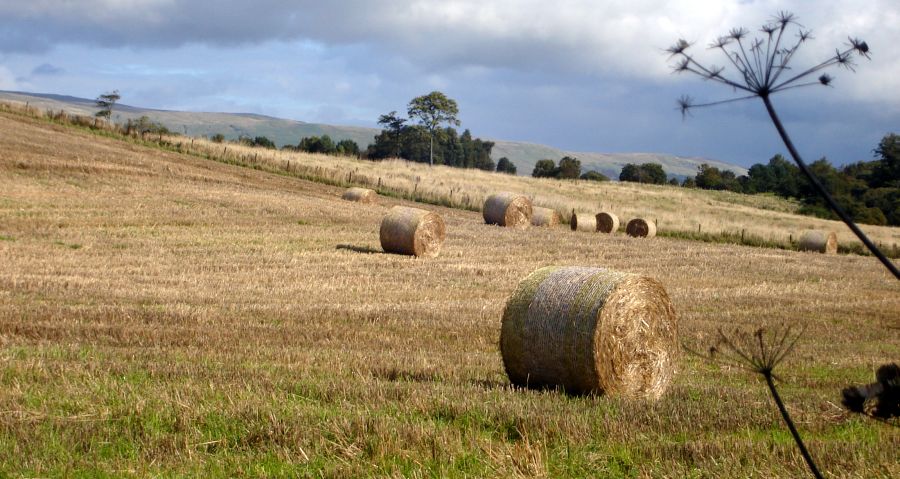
x=640, y=228
x=590, y=330
x=508, y=209
x=818, y=241
x=607, y=222
x=544, y=216
x=360, y=195
x=412, y=231
x=583, y=222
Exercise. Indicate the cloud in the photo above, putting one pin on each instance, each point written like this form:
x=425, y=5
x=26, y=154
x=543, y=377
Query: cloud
x=619, y=37
x=8, y=81
x=46, y=69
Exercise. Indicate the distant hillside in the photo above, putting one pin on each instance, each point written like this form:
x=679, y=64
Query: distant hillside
x=283, y=132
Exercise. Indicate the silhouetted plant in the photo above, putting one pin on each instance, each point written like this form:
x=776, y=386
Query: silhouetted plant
x=879, y=400
x=763, y=69
x=760, y=353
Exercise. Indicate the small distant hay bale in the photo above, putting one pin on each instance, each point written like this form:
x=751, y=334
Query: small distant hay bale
x=544, y=216
x=583, y=222
x=818, y=241
x=360, y=195
x=508, y=209
x=412, y=231
x=640, y=228
x=607, y=222
x=590, y=330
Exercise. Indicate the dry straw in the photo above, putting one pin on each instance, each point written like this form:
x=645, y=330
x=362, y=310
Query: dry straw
x=360, y=195
x=590, y=330
x=607, y=222
x=641, y=228
x=818, y=241
x=412, y=231
x=544, y=217
x=508, y=209
x=583, y=222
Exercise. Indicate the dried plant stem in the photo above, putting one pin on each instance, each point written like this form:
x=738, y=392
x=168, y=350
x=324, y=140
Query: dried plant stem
x=790, y=424
x=822, y=191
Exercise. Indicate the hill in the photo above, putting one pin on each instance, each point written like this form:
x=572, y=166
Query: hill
x=283, y=132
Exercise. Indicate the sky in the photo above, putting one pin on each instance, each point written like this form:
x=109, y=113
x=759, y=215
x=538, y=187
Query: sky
x=579, y=75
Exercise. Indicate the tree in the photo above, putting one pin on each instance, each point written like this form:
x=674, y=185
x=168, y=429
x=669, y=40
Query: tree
x=217, y=138
x=347, y=148
x=594, y=176
x=887, y=170
x=315, y=144
x=645, y=173
x=630, y=172
x=544, y=169
x=653, y=173
x=431, y=111
x=569, y=168
x=394, y=125
x=263, y=142
x=506, y=166
x=708, y=177
x=105, y=103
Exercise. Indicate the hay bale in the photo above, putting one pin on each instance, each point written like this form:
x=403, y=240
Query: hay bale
x=640, y=228
x=583, y=222
x=607, y=222
x=544, y=217
x=818, y=241
x=412, y=231
x=360, y=195
x=590, y=330
x=508, y=209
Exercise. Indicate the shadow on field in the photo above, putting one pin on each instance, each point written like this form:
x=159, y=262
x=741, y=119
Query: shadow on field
x=359, y=249
x=397, y=374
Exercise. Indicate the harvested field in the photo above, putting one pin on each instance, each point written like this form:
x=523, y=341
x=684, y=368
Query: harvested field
x=162, y=314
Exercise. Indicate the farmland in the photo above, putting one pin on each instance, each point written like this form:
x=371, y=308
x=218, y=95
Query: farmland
x=165, y=314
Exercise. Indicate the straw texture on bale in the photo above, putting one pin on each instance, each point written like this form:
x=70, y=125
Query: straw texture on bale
x=412, y=231
x=818, y=241
x=508, y=209
x=641, y=228
x=583, y=222
x=360, y=195
x=544, y=217
x=590, y=330
x=607, y=222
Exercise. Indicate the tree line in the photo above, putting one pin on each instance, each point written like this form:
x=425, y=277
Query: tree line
x=868, y=190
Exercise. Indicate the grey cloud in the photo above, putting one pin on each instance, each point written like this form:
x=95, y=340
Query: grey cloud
x=568, y=37
x=46, y=69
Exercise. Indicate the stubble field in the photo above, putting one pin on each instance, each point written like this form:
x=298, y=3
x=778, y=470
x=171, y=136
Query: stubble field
x=162, y=314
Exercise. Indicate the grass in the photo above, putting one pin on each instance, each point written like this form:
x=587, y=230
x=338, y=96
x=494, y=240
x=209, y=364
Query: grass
x=211, y=325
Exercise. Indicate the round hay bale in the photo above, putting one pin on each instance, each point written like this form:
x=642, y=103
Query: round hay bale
x=607, y=222
x=590, y=330
x=818, y=241
x=508, y=209
x=640, y=228
x=412, y=231
x=583, y=222
x=544, y=216
x=360, y=195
